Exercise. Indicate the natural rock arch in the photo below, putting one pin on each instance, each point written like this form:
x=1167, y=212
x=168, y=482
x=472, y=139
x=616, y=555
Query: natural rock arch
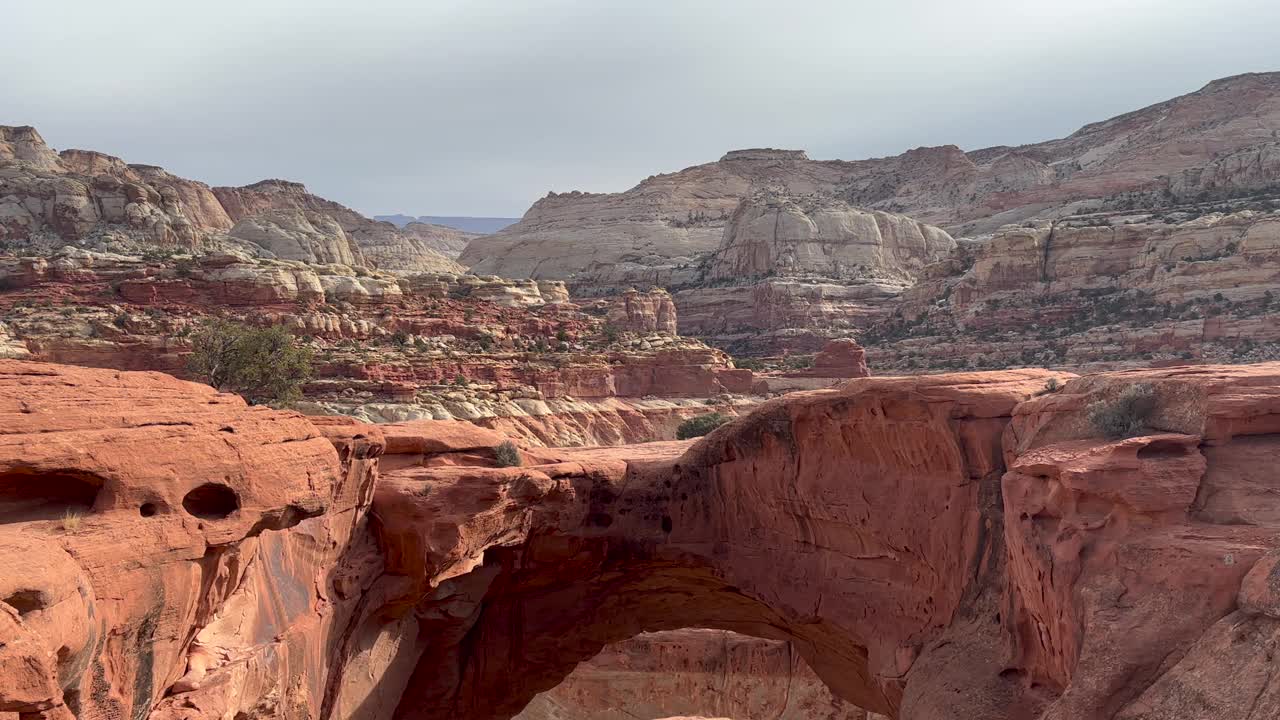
x=801, y=523
x=945, y=547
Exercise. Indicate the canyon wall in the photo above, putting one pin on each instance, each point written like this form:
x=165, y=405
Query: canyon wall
x=1217, y=141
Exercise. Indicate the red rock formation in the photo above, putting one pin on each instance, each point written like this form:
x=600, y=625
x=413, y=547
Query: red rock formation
x=937, y=547
x=843, y=358
x=158, y=537
x=646, y=312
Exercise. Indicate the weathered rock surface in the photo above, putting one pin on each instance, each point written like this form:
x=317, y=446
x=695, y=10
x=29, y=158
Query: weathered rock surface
x=383, y=244
x=643, y=312
x=791, y=269
x=771, y=234
x=159, y=537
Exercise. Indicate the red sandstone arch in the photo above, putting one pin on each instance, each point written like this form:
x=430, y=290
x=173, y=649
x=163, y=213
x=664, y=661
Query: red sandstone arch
x=854, y=525
x=1129, y=579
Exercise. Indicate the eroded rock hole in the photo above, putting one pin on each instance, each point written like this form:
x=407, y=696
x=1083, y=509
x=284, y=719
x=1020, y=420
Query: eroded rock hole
x=27, y=495
x=211, y=501
x=1162, y=449
x=147, y=509
x=666, y=523
x=26, y=601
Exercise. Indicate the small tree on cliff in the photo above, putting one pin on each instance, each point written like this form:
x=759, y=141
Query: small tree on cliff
x=261, y=364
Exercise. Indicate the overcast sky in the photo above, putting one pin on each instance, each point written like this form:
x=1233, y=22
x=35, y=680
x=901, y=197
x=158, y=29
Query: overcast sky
x=479, y=107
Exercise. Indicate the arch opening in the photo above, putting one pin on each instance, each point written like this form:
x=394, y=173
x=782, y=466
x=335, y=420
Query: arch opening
x=699, y=672
x=211, y=501
x=541, y=615
x=28, y=494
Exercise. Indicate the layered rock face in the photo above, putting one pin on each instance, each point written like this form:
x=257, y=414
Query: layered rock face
x=509, y=354
x=92, y=199
x=644, y=312
x=772, y=234
x=699, y=673
x=654, y=233
x=1219, y=140
x=383, y=244
x=1035, y=570
x=791, y=269
x=1111, y=288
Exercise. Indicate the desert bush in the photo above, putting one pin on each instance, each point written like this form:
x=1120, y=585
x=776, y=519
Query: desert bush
x=701, y=425
x=261, y=364
x=506, y=455
x=1050, y=386
x=70, y=522
x=1126, y=414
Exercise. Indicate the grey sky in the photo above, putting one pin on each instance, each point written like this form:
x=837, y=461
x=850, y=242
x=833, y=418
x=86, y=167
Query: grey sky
x=478, y=107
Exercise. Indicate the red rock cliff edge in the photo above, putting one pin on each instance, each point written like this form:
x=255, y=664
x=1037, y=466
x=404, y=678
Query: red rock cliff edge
x=950, y=546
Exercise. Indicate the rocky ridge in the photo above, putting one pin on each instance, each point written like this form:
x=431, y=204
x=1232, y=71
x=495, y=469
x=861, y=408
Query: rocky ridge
x=94, y=200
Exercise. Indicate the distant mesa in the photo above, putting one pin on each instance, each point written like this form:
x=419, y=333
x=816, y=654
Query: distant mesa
x=764, y=154
x=478, y=225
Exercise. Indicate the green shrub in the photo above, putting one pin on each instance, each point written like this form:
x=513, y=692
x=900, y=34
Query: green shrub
x=748, y=364
x=261, y=364
x=1126, y=414
x=506, y=455
x=701, y=425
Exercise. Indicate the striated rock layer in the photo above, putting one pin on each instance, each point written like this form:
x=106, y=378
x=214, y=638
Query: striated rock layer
x=1196, y=283
x=510, y=354
x=951, y=546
